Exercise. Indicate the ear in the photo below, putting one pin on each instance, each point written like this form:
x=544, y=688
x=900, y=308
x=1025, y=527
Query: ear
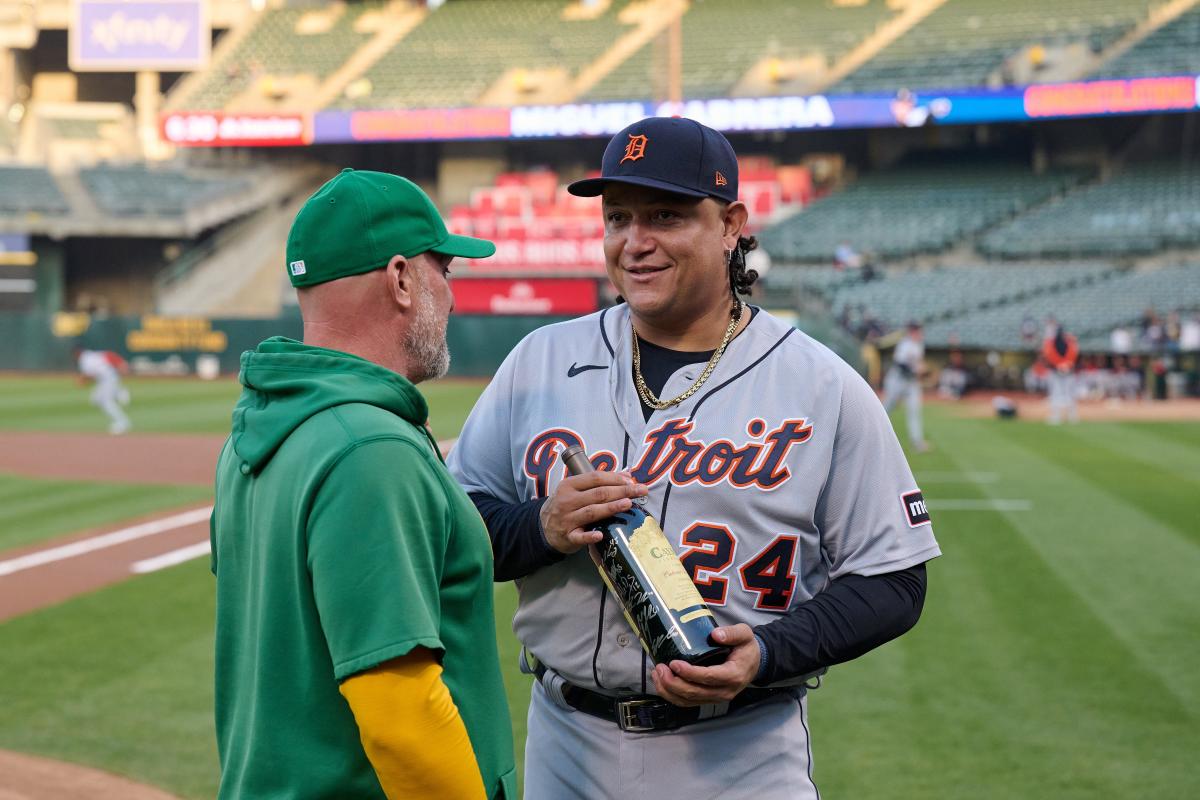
x=400, y=281
x=735, y=216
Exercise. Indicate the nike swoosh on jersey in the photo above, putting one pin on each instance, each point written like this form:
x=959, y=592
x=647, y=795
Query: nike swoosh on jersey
x=574, y=370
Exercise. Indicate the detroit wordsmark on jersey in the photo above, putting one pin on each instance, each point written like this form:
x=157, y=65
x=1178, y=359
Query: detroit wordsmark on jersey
x=780, y=475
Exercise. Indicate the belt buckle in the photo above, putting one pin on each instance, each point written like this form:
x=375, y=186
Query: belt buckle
x=637, y=715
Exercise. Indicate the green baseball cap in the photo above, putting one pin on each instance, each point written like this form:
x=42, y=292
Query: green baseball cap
x=359, y=219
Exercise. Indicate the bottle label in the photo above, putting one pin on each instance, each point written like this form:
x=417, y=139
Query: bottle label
x=661, y=564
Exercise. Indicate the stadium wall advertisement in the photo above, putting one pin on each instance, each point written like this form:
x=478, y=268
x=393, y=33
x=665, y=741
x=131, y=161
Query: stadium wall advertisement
x=902, y=109
x=568, y=296
x=131, y=35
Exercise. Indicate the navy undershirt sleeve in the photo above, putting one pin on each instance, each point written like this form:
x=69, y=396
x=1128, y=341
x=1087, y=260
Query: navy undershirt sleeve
x=518, y=545
x=854, y=615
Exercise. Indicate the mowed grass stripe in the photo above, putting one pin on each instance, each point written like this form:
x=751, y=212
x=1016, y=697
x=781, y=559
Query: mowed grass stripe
x=120, y=679
x=34, y=509
x=1159, y=492
x=182, y=405
x=983, y=675
x=1134, y=572
x=1021, y=689
x=1181, y=432
x=1160, y=447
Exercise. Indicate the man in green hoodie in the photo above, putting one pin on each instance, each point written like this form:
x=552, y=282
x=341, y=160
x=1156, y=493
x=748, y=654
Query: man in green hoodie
x=355, y=644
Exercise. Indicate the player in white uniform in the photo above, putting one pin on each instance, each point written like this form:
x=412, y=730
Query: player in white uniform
x=769, y=463
x=109, y=394
x=903, y=380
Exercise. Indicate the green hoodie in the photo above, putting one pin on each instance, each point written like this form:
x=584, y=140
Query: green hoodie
x=339, y=542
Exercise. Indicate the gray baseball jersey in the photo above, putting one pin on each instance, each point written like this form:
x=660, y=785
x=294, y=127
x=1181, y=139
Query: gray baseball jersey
x=779, y=475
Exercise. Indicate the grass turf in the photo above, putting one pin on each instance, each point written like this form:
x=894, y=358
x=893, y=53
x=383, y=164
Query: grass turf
x=32, y=510
x=1056, y=657
x=171, y=405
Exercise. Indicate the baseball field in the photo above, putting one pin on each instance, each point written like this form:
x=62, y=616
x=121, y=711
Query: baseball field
x=1058, y=655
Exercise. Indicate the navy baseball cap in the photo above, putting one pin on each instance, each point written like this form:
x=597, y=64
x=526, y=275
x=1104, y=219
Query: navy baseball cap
x=674, y=154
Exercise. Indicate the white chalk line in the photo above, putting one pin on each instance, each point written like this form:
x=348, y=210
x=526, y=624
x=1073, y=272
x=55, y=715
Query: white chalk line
x=170, y=559
x=104, y=540
x=980, y=505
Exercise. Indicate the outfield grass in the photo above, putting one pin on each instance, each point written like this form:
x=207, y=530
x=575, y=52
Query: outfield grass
x=173, y=405
x=33, y=509
x=1057, y=656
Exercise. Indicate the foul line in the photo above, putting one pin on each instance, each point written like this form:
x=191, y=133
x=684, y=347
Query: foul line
x=104, y=540
x=170, y=559
x=980, y=505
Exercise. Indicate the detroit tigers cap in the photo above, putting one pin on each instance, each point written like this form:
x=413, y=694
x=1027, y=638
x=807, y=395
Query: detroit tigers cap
x=674, y=154
x=359, y=219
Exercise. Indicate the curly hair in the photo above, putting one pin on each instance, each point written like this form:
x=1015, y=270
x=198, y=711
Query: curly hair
x=740, y=278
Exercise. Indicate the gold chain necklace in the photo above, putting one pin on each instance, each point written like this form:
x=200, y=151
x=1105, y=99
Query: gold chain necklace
x=643, y=390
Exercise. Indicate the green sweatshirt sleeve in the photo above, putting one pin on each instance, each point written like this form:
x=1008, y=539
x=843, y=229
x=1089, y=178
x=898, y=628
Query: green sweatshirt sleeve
x=377, y=536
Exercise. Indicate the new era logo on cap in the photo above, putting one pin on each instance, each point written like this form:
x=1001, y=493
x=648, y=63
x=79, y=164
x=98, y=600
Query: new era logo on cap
x=297, y=267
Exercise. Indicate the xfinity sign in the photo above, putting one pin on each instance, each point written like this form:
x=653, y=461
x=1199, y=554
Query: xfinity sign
x=134, y=35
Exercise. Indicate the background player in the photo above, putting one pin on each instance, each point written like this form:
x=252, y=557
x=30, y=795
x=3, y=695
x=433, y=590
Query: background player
x=1061, y=351
x=766, y=459
x=903, y=380
x=105, y=368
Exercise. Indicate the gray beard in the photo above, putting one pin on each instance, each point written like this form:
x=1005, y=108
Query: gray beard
x=425, y=341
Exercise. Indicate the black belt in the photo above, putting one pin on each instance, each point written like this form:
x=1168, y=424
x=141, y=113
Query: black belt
x=647, y=713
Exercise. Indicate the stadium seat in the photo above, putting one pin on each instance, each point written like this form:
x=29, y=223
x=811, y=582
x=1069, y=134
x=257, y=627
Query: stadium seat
x=1144, y=208
x=1173, y=49
x=29, y=190
x=965, y=43
x=723, y=40
x=922, y=206
x=136, y=190
x=462, y=48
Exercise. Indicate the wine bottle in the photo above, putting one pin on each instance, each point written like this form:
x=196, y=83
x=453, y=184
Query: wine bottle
x=656, y=593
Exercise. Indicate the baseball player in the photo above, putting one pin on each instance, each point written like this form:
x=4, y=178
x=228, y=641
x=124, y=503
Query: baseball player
x=1061, y=351
x=903, y=380
x=104, y=368
x=355, y=641
x=769, y=463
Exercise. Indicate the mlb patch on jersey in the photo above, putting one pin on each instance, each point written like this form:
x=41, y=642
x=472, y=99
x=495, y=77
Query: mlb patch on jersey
x=915, y=509
x=297, y=267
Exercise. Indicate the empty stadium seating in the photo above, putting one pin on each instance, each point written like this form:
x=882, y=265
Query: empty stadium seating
x=924, y=205
x=723, y=40
x=463, y=47
x=136, y=190
x=534, y=205
x=279, y=46
x=1173, y=49
x=1144, y=208
x=937, y=294
x=1089, y=311
x=29, y=190
x=964, y=42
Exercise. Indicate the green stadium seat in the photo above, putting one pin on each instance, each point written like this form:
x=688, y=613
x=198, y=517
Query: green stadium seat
x=965, y=43
x=30, y=190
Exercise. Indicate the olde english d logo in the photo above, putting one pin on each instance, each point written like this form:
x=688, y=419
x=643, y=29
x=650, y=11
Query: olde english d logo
x=635, y=148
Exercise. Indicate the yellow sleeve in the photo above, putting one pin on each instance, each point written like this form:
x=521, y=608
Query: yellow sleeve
x=411, y=730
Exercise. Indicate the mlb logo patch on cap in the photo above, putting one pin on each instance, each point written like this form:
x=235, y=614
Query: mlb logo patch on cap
x=297, y=268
